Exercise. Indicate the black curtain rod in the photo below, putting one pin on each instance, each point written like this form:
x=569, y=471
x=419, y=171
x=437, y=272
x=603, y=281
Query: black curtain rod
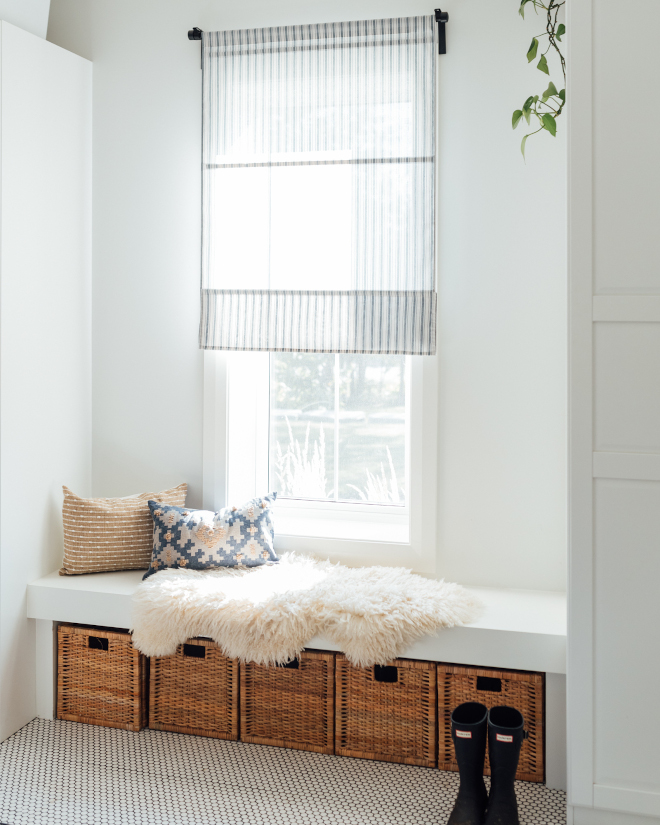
x=441, y=17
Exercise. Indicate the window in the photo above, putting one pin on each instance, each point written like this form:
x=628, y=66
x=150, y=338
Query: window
x=318, y=282
x=338, y=435
x=245, y=419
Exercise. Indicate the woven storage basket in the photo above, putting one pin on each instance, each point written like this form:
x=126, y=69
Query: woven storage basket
x=101, y=678
x=291, y=706
x=517, y=689
x=195, y=691
x=387, y=713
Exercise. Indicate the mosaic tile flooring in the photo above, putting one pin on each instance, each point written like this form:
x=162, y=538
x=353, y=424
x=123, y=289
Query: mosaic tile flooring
x=64, y=773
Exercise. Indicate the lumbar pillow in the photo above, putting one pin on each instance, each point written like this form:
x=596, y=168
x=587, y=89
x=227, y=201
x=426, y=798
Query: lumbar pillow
x=200, y=539
x=102, y=534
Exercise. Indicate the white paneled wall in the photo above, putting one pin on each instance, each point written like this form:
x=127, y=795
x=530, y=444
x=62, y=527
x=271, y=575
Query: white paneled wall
x=614, y=263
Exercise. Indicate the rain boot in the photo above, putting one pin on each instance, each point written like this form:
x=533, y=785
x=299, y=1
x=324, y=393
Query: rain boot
x=505, y=738
x=469, y=730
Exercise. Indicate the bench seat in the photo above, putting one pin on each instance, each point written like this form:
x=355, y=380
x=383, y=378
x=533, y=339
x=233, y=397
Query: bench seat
x=520, y=629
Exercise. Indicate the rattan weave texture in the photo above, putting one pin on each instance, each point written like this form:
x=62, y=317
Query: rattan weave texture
x=519, y=689
x=391, y=721
x=195, y=691
x=290, y=707
x=101, y=678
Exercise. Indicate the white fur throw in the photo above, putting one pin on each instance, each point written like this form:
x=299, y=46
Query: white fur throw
x=267, y=614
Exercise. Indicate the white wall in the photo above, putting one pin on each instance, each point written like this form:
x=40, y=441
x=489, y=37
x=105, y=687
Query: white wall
x=502, y=281
x=31, y=15
x=614, y=629
x=45, y=334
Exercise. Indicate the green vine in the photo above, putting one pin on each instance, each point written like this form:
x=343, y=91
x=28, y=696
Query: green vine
x=549, y=106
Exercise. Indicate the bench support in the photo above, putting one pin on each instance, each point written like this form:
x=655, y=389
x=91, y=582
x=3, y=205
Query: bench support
x=46, y=668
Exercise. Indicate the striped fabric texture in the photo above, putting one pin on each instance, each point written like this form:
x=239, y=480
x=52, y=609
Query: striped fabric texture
x=104, y=534
x=318, y=188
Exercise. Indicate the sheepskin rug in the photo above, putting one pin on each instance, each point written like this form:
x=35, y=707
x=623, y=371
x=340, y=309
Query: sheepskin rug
x=267, y=614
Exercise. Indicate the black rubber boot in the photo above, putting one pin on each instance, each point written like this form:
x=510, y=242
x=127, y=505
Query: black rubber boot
x=468, y=730
x=505, y=738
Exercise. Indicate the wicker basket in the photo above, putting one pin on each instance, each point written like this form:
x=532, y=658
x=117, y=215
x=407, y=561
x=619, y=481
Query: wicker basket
x=101, y=678
x=290, y=706
x=195, y=691
x=517, y=689
x=387, y=713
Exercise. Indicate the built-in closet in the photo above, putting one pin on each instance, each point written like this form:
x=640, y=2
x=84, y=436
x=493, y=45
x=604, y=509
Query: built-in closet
x=45, y=330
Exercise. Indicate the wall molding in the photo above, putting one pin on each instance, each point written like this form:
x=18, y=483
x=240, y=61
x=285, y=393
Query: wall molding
x=632, y=466
x=627, y=800
x=627, y=308
x=597, y=816
x=580, y=664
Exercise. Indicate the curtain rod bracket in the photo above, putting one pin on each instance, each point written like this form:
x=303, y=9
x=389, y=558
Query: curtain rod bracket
x=441, y=17
x=195, y=34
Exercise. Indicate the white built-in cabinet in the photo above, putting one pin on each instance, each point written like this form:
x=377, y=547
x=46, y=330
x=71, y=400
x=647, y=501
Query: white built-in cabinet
x=614, y=270
x=45, y=335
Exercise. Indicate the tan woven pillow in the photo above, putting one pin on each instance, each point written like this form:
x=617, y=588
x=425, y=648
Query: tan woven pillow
x=102, y=534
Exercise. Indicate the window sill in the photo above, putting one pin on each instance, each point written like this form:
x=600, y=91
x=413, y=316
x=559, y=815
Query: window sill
x=309, y=523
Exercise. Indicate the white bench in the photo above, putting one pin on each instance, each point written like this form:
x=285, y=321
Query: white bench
x=519, y=629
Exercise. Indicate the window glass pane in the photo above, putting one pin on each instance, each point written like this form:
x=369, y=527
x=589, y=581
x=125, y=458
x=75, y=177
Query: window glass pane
x=302, y=433
x=338, y=427
x=372, y=428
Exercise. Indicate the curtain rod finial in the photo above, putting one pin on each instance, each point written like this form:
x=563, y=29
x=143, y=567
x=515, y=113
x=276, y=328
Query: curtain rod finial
x=441, y=17
x=195, y=34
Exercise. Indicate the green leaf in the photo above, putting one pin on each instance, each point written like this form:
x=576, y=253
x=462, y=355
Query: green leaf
x=522, y=145
x=527, y=105
x=516, y=118
x=523, y=3
x=549, y=92
x=550, y=124
x=527, y=114
x=562, y=94
x=542, y=65
x=531, y=52
x=561, y=29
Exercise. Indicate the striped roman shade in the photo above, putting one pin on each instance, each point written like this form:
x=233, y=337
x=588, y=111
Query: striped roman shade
x=318, y=188
x=102, y=534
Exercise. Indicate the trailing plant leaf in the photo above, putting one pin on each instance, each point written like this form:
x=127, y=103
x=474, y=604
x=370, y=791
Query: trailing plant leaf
x=522, y=145
x=550, y=105
x=531, y=54
x=550, y=124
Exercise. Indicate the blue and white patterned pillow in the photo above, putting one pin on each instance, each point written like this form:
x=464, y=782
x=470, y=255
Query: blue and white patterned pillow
x=201, y=540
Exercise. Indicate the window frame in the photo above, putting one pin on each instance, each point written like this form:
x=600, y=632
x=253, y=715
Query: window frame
x=235, y=461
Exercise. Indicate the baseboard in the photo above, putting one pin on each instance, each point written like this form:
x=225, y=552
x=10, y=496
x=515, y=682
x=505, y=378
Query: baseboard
x=596, y=816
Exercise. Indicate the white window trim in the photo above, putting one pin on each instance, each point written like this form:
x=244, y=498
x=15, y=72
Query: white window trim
x=235, y=436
